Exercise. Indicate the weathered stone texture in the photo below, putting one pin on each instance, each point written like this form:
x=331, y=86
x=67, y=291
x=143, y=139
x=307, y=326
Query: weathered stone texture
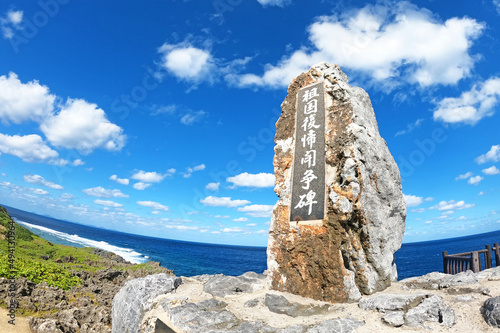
x=491, y=311
x=136, y=297
x=352, y=252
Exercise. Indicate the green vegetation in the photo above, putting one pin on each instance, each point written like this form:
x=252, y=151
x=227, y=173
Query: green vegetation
x=41, y=261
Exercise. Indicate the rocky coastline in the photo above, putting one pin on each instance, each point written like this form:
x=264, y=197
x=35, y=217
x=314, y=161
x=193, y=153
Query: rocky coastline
x=62, y=288
x=436, y=302
x=82, y=309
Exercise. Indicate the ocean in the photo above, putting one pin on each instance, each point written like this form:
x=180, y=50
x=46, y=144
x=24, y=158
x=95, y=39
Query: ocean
x=189, y=259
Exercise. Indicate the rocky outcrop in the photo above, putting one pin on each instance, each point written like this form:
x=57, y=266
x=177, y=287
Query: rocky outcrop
x=351, y=252
x=85, y=308
x=491, y=311
x=135, y=298
x=222, y=286
x=437, y=280
x=412, y=310
x=461, y=304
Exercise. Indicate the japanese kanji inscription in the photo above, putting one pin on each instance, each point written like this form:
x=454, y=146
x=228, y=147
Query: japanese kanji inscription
x=308, y=181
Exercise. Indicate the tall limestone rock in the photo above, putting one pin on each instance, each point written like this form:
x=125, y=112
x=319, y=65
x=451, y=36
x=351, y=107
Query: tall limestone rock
x=348, y=250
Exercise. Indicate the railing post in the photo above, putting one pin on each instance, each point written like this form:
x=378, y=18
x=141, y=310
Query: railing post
x=487, y=257
x=497, y=254
x=476, y=264
x=445, y=262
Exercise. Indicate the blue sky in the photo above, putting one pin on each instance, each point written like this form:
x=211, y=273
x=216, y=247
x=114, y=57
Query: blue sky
x=157, y=117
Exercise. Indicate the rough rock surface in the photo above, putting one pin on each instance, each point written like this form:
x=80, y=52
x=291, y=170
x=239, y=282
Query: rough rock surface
x=491, y=311
x=352, y=252
x=232, y=285
x=431, y=309
x=437, y=280
x=136, y=297
x=85, y=308
x=190, y=309
x=279, y=304
x=390, y=302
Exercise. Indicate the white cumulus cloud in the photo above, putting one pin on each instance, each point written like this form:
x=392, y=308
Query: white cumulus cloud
x=189, y=171
x=472, y=105
x=30, y=148
x=83, y=126
x=241, y=219
x=181, y=227
x=187, y=62
x=20, y=102
x=38, y=191
x=223, y=202
x=78, y=162
x=123, y=181
x=213, y=186
x=465, y=176
x=475, y=180
x=491, y=171
x=491, y=156
x=39, y=180
x=413, y=201
x=401, y=42
x=11, y=21
x=257, y=210
x=252, y=180
x=140, y=186
x=107, y=203
x=153, y=205
x=233, y=230
x=452, y=205
x=101, y=192
x=148, y=177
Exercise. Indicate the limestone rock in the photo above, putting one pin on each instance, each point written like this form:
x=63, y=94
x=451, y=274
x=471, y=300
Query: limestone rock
x=221, y=285
x=437, y=280
x=279, y=304
x=343, y=325
x=389, y=302
x=39, y=325
x=135, y=298
x=491, y=311
x=294, y=329
x=431, y=309
x=394, y=319
x=197, y=318
x=352, y=251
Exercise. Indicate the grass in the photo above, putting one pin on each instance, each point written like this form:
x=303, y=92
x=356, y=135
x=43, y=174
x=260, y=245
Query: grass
x=54, y=268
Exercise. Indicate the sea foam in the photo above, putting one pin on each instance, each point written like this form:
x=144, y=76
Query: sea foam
x=127, y=254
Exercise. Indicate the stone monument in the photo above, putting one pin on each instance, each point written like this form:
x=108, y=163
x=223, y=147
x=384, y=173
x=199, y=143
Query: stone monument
x=341, y=213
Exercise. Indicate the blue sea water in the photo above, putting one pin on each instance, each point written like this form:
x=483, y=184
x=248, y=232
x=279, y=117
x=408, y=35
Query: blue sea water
x=189, y=259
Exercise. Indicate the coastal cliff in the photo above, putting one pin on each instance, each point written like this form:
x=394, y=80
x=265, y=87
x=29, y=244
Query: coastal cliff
x=62, y=288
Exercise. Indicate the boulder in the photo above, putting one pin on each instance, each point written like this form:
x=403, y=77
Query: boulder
x=431, y=309
x=136, y=297
x=342, y=325
x=279, y=304
x=491, y=311
x=197, y=318
x=351, y=251
x=390, y=302
x=221, y=285
x=436, y=280
x=394, y=318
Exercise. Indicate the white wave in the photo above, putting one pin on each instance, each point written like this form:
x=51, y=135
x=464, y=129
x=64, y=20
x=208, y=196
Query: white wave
x=127, y=254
